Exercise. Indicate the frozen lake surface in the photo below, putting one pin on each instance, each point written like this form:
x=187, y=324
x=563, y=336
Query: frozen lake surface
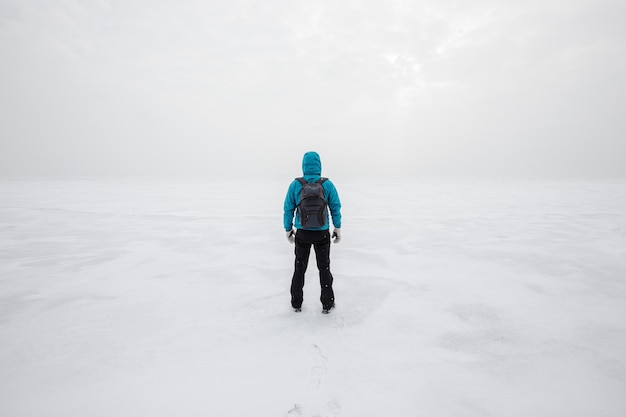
x=171, y=298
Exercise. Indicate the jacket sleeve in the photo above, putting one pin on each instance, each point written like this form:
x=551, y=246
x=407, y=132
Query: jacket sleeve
x=289, y=207
x=334, y=204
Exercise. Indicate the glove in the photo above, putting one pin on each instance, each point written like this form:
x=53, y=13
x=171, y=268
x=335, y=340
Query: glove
x=336, y=235
x=291, y=235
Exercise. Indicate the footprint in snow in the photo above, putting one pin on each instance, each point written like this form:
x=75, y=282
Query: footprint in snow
x=331, y=409
x=296, y=411
x=319, y=369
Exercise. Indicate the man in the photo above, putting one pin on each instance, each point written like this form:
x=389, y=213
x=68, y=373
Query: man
x=312, y=230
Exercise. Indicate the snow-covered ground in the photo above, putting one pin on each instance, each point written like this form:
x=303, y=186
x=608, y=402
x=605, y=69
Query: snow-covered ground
x=171, y=298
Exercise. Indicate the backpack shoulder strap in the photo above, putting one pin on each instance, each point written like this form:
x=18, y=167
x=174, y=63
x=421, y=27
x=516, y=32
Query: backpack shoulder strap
x=321, y=182
x=301, y=180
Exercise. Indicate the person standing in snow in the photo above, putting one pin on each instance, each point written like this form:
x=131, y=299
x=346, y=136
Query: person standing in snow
x=314, y=232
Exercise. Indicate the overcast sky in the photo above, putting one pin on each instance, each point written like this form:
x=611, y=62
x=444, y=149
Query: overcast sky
x=245, y=87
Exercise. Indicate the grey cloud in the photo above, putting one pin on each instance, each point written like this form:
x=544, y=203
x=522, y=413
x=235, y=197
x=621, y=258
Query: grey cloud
x=205, y=87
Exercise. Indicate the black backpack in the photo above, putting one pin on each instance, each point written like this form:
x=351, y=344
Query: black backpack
x=312, y=205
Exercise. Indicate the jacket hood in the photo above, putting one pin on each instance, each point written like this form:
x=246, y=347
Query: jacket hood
x=311, y=164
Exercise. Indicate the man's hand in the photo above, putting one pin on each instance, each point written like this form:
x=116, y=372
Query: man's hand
x=336, y=235
x=291, y=235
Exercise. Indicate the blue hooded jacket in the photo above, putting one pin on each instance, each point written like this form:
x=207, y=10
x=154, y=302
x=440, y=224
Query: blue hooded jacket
x=312, y=170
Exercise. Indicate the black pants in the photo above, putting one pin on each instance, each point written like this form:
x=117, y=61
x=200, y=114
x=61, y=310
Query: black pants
x=320, y=240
